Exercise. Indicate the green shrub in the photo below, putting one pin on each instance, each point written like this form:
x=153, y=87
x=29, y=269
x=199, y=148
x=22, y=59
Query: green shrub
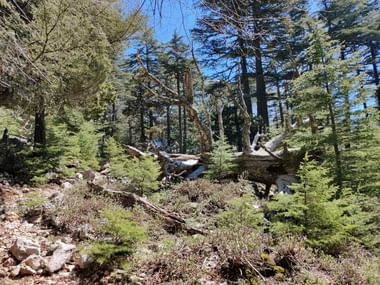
x=241, y=213
x=142, y=173
x=221, y=161
x=121, y=236
x=314, y=211
x=32, y=201
x=66, y=145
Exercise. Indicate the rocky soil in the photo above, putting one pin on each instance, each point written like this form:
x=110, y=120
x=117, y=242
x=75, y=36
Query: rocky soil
x=30, y=253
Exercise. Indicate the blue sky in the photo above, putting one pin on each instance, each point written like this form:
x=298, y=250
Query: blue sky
x=177, y=15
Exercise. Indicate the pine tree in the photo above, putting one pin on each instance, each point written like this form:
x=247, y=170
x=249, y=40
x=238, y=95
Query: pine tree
x=312, y=211
x=221, y=161
x=328, y=97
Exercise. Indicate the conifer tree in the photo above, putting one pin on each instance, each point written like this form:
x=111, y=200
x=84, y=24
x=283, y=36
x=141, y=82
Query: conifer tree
x=313, y=211
x=221, y=161
x=328, y=97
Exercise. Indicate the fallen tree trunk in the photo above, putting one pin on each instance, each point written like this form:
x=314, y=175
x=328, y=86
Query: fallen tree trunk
x=128, y=199
x=265, y=166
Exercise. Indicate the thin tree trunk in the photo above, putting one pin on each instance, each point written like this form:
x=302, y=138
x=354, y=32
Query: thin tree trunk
x=262, y=105
x=280, y=102
x=180, y=138
x=184, y=130
x=239, y=142
x=338, y=162
x=219, y=107
x=142, y=115
x=168, y=126
x=375, y=73
x=151, y=124
x=245, y=79
x=40, y=124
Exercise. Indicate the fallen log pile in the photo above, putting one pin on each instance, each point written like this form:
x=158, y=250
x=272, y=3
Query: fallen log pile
x=265, y=164
x=129, y=199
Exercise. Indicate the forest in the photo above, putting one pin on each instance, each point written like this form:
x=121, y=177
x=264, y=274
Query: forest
x=243, y=150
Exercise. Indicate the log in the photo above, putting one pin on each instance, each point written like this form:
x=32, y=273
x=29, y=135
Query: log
x=265, y=167
x=130, y=199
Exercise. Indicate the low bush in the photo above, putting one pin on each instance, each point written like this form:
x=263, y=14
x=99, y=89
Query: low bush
x=120, y=236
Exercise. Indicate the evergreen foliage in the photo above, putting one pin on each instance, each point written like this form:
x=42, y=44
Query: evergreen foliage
x=69, y=148
x=327, y=223
x=141, y=173
x=123, y=232
x=221, y=161
x=241, y=213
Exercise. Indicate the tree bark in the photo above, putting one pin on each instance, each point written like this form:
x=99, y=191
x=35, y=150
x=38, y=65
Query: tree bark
x=219, y=107
x=40, y=124
x=168, y=126
x=375, y=73
x=129, y=199
x=180, y=138
x=184, y=130
x=142, y=115
x=245, y=78
x=238, y=130
x=262, y=105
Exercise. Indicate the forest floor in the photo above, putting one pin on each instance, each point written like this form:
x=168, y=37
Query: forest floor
x=13, y=226
x=227, y=255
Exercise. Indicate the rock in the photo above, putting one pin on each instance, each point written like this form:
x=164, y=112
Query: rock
x=23, y=247
x=60, y=256
x=89, y=175
x=27, y=270
x=3, y=273
x=79, y=176
x=84, y=260
x=69, y=267
x=210, y=262
x=67, y=185
x=56, y=198
x=283, y=182
x=34, y=261
x=10, y=262
x=15, y=271
x=11, y=216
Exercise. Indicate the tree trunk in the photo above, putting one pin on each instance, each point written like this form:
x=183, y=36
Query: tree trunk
x=245, y=78
x=184, y=130
x=280, y=103
x=40, y=124
x=375, y=73
x=219, y=107
x=262, y=106
x=142, y=115
x=168, y=138
x=180, y=138
x=238, y=130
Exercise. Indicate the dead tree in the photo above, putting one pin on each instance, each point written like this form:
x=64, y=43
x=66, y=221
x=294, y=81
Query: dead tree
x=185, y=101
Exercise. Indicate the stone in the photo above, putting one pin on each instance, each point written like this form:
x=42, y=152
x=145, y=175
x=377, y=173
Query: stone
x=27, y=270
x=15, y=271
x=23, y=247
x=3, y=273
x=34, y=261
x=11, y=216
x=89, y=175
x=283, y=182
x=84, y=260
x=67, y=185
x=210, y=262
x=61, y=255
x=79, y=176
